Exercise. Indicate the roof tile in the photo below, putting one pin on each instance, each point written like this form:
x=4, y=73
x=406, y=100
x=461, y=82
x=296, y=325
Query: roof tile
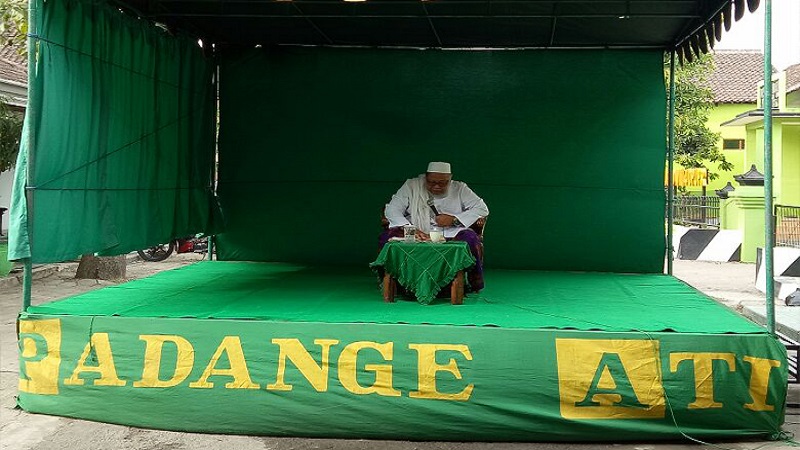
x=736, y=75
x=793, y=78
x=13, y=66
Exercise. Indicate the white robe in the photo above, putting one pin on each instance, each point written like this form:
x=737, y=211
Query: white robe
x=460, y=201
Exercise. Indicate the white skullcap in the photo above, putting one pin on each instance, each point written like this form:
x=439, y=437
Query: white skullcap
x=439, y=167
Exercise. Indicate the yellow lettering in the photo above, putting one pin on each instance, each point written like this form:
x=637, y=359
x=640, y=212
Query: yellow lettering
x=232, y=346
x=703, y=375
x=105, y=363
x=383, y=372
x=316, y=374
x=759, y=382
x=611, y=379
x=40, y=357
x=428, y=368
x=184, y=361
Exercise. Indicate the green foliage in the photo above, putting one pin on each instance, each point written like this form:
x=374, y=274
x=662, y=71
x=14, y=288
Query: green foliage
x=13, y=32
x=695, y=144
x=14, y=23
x=10, y=134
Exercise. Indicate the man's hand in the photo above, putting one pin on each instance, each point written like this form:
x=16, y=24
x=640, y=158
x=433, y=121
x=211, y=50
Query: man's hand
x=445, y=220
x=422, y=236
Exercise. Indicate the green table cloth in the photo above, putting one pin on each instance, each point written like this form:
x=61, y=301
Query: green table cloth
x=424, y=267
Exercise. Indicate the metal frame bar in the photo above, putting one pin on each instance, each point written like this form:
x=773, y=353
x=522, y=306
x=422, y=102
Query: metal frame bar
x=553, y=24
x=623, y=4
x=705, y=23
x=307, y=19
x=422, y=16
x=433, y=27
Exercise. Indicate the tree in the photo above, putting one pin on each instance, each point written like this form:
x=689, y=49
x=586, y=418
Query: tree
x=13, y=31
x=695, y=144
x=14, y=23
x=10, y=134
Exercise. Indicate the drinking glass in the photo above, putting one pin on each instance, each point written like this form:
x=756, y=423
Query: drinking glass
x=410, y=233
x=437, y=235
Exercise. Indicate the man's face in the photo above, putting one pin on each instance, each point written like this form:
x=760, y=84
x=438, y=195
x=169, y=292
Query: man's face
x=437, y=182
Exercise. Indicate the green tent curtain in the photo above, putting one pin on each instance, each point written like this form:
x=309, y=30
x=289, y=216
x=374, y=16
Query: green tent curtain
x=123, y=119
x=566, y=147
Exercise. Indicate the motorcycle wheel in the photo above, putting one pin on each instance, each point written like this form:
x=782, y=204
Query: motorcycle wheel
x=157, y=252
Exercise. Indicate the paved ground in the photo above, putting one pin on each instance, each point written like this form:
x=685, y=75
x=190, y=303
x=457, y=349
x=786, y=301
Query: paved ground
x=733, y=284
x=730, y=283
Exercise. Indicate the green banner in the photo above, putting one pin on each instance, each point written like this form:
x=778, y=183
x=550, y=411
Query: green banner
x=417, y=382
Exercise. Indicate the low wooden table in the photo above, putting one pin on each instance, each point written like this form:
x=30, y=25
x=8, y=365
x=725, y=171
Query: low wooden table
x=424, y=268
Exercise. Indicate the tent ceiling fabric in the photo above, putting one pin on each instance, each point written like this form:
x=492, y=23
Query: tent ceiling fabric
x=691, y=26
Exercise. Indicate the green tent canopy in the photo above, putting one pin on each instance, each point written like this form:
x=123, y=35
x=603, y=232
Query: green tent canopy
x=323, y=100
x=692, y=26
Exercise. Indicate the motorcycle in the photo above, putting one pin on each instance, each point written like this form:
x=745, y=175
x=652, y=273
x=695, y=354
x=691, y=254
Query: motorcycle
x=161, y=252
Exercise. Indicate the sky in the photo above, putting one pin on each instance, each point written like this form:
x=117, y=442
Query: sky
x=748, y=33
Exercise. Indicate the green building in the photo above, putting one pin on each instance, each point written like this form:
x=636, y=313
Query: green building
x=737, y=83
x=785, y=134
x=734, y=81
x=745, y=210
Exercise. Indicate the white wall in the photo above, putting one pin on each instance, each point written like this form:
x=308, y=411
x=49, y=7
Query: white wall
x=6, y=179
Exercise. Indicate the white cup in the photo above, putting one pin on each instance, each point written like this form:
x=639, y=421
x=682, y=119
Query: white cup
x=437, y=235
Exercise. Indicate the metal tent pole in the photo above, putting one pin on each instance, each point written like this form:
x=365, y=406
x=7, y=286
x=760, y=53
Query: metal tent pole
x=670, y=160
x=31, y=113
x=212, y=238
x=769, y=224
x=27, y=281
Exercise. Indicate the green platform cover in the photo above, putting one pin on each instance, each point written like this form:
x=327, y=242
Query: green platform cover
x=281, y=349
x=511, y=299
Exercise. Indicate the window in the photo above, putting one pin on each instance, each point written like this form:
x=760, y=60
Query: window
x=733, y=144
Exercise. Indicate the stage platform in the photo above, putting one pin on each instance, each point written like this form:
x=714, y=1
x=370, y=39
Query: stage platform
x=282, y=349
